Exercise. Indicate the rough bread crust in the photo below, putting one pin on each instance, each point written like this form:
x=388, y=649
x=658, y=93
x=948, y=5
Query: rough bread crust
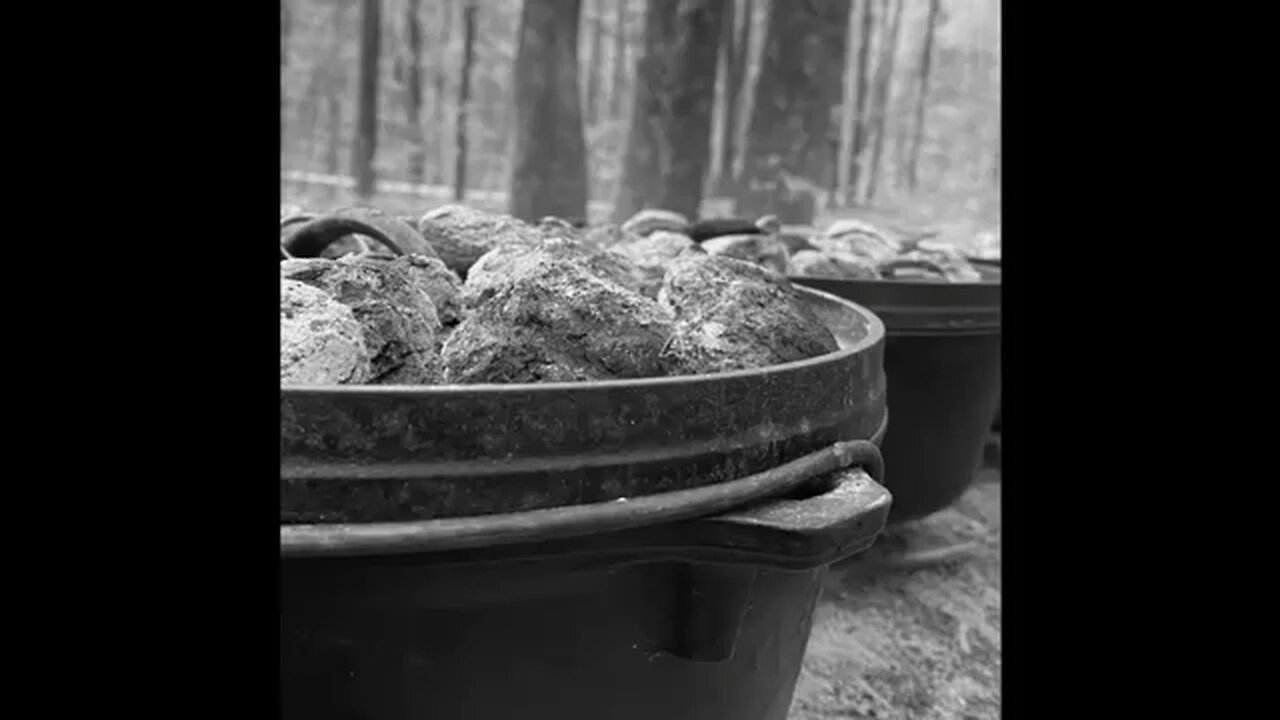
x=397, y=318
x=441, y=284
x=500, y=266
x=557, y=320
x=734, y=315
x=602, y=237
x=651, y=255
x=541, y=304
x=462, y=235
x=652, y=219
x=321, y=342
x=836, y=265
x=761, y=249
x=857, y=238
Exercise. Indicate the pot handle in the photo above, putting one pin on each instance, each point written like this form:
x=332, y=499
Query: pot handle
x=310, y=237
x=824, y=525
x=797, y=533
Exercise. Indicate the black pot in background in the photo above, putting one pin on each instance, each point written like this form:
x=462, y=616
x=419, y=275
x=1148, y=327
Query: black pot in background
x=942, y=364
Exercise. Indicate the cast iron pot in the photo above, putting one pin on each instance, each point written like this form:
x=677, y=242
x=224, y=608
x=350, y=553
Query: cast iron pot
x=623, y=549
x=942, y=361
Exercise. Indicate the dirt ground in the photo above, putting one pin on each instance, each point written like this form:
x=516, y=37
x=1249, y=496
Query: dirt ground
x=912, y=645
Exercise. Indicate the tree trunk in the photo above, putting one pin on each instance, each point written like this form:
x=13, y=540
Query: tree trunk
x=365, y=147
x=413, y=92
x=790, y=129
x=641, y=180
x=332, y=161
x=335, y=89
x=594, y=65
x=883, y=100
x=848, y=110
x=440, y=136
x=735, y=43
x=308, y=115
x=549, y=172
x=285, y=22
x=618, y=82
x=860, y=96
x=926, y=58
x=669, y=141
x=720, y=114
x=389, y=139
x=751, y=57
x=464, y=101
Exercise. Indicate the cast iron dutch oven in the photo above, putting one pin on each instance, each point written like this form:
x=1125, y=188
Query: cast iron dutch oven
x=942, y=360
x=631, y=549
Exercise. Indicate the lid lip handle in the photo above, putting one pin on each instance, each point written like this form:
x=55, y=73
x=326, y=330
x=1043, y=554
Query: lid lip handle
x=798, y=534
x=313, y=235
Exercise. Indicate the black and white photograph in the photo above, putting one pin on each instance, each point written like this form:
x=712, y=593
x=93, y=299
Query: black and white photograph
x=640, y=359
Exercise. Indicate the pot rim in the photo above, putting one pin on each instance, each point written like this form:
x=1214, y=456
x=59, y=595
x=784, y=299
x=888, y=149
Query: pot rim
x=920, y=308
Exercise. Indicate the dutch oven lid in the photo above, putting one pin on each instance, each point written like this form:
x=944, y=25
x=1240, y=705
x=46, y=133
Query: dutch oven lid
x=921, y=308
x=352, y=455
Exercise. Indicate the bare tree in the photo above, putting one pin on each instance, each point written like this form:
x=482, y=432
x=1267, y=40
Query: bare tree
x=307, y=117
x=335, y=82
x=594, y=66
x=365, y=147
x=438, y=108
x=735, y=40
x=618, y=80
x=641, y=181
x=860, y=97
x=724, y=60
x=756, y=15
x=284, y=63
x=391, y=85
x=790, y=128
x=549, y=171
x=669, y=140
x=926, y=58
x=848, y=109
x=882, y=100
x=413, y=91
x=464, y=100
